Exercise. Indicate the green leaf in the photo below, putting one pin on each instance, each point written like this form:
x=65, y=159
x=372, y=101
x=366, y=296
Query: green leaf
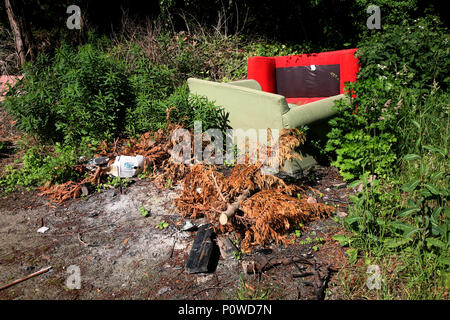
x=354, y=184
x=433, y=189
x=342, y=239
x=435, y=242
x=352, y=255
x=445, y=260
x=436, y=176
x=410, y=157
x=410, y=186
x=408, y=212
x=433, y=149
x=405, y=227
x=351, y=220
x=435, y=215
x=395, y=242
x=416, y=124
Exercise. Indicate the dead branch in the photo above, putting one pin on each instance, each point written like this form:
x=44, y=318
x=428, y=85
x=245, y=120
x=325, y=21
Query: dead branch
x=26, y=278
x=232, y=208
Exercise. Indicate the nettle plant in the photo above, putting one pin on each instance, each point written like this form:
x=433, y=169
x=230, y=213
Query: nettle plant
x=363, y=134
x=398, y=67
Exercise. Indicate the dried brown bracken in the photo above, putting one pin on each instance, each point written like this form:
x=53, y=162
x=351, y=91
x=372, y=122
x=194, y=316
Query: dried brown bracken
x=268, y=207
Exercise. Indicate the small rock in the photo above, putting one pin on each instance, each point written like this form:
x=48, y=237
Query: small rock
x=85, y=189
x=163, y=290
x=248, y=267
x=327, y=189
x=204, y=278
x=342, y=214
x=226, y=248
x=311, y=200
x=359, y=188
x=111, y=193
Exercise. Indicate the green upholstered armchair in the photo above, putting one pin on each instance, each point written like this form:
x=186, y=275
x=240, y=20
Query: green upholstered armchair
x=249, y=107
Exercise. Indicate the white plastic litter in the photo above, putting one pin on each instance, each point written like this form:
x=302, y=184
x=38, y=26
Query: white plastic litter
x=127, y=166
x=42, y=229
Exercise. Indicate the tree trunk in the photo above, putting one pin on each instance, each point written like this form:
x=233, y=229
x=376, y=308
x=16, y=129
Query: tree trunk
x=23, y=38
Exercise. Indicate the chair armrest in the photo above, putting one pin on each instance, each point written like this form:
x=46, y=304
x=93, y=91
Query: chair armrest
x=311, y=112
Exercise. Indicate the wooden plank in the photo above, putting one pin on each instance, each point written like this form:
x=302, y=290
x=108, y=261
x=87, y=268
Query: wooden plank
x=201, y=254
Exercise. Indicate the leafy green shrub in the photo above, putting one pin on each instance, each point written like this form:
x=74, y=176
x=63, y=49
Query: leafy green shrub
x=191, y=108
x=150, y=85
x=401, y=71
x=41, y=166
x=75, y=94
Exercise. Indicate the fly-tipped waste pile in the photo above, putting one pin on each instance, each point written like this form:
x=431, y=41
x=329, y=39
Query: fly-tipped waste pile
x=260, y=208
x=153, y=146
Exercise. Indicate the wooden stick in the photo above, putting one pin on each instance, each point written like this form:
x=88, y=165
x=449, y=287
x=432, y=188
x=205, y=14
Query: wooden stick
x=26, y=278
x=232, y=208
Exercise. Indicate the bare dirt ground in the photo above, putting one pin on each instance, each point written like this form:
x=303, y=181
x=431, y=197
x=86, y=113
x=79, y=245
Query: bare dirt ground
x=123, y=255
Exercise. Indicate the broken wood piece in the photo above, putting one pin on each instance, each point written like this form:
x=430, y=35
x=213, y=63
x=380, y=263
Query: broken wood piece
x=232, y=208
x=201, y=254
x=226, y=247
x=26, y=278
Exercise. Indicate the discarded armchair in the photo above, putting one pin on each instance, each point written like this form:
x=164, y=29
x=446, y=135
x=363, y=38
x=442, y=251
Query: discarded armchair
x=284, y=92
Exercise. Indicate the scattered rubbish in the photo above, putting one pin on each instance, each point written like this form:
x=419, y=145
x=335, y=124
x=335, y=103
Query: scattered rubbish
x=339, y=185
x=200, y=258
x=226, y=247
x=188, y=226
x=127, y=166
x=93, y=164
x=261, y=263
x=81, y=241
x=26, y=278
x=43, y=229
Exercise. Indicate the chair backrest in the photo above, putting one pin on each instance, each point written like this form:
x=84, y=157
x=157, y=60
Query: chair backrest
x=307, y=77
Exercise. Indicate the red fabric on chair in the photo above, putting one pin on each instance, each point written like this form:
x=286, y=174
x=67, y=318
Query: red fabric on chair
x=314, y=72
x=262, y=69
x=301, y=101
